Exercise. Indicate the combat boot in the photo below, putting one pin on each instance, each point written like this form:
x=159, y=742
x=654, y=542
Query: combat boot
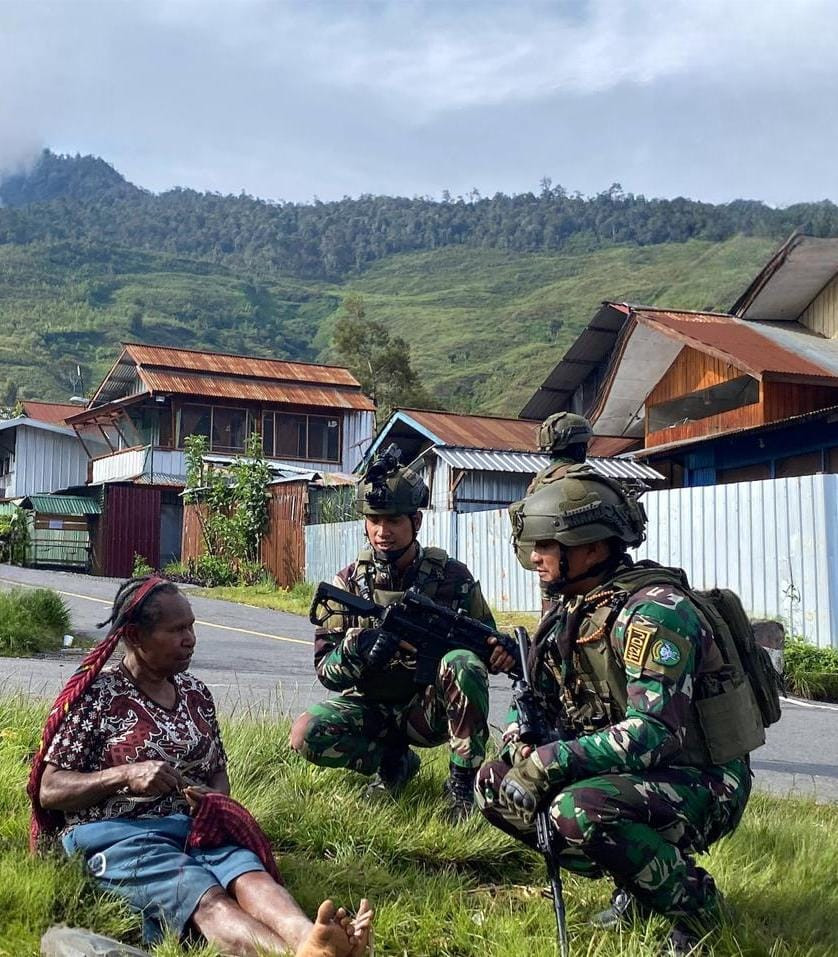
x=397, y=767
x=458, y=792
x=683, y=941
x=625, y=908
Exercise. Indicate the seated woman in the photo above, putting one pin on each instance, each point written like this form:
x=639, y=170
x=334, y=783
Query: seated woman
x=126, y=754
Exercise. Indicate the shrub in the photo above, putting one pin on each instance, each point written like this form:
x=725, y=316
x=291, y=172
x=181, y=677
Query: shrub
x=141, y=566
x=811, y=672
x=212, y=571
x=32, y=621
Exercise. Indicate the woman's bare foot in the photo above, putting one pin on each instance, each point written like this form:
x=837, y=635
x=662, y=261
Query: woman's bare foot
x=361, y=928
x=335, y=935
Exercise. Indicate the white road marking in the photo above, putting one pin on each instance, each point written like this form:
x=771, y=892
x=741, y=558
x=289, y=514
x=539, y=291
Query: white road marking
x=198, y=621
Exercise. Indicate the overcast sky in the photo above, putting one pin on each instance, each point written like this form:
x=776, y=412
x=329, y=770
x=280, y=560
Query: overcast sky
x=712, y=99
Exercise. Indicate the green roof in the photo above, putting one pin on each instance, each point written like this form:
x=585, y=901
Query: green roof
x=7, y=508
x=62, y=505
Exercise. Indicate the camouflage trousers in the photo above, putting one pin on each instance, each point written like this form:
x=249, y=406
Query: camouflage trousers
x=641, y=829
x=353, y=731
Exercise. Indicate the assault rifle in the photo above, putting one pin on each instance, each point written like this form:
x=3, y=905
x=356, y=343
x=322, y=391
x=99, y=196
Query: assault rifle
x=534, y=730
x=432, y=629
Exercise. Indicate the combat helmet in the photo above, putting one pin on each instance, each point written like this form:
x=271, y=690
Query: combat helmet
x=563, y=429
x=581, y=507
x=390, y=488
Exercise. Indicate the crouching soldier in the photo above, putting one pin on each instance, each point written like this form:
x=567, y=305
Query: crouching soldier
x=381, y=711
x=652, y=767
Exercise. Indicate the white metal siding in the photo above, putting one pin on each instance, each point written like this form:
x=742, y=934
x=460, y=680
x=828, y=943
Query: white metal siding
x=822, y=314
x=357, y=436
x=773, y=542
x=46, y=462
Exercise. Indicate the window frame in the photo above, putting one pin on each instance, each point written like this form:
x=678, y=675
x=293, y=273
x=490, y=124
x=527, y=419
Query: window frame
x=249, y=419
x=272, y=415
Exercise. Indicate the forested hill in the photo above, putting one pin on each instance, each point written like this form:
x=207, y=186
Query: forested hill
x=488, y=292
x=82, y=199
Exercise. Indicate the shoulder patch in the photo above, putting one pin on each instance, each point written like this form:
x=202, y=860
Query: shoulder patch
x=638, y=638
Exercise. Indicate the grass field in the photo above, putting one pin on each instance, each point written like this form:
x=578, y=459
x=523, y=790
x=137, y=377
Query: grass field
x=439, y=891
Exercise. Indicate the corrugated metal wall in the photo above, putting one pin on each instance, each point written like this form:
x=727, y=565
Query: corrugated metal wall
x=357, y=435
x=130, y=524
x=774, y=542
x=46, y=462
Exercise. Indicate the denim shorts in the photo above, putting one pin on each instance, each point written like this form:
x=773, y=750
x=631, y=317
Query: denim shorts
x=143, y=860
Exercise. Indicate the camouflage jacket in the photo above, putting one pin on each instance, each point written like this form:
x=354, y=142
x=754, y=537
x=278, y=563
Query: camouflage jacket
x=637, y=712
x=336, y=660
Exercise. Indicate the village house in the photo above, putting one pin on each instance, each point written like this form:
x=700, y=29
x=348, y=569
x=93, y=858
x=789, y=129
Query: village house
x=474, y=463
x=40, y=452
x=312, y=418
x=716, y=398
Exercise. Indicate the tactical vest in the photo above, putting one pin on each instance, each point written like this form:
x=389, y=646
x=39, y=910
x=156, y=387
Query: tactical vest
x=429, y=574
x=734, y=697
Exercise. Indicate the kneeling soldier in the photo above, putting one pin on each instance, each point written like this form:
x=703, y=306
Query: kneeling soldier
x=381, y=710
x=623, y=665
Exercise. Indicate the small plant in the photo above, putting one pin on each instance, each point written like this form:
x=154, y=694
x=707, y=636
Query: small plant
x=176, y=571
x=32, y=621
x=141, y=566
x=14, y=537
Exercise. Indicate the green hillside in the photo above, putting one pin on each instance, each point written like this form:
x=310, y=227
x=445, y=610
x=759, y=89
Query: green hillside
x=489, y=292
x=484, y=325
x=66, y=304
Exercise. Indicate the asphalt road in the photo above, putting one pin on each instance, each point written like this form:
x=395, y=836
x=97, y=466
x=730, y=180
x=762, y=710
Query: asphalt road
x=256, y=659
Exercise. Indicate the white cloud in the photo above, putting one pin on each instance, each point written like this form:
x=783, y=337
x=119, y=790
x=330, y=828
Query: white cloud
x=287, y=98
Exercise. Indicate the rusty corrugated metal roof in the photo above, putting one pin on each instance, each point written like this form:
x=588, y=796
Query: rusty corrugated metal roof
x=238, y=365
x=55, y=413
x=734, y=341
x=254, y=390
x=478, y=431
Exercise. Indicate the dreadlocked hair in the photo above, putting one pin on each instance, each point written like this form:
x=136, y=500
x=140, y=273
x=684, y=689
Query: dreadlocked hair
x=131, y=606
x=144, y=614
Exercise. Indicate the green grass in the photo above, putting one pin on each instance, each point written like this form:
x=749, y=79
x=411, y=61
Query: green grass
x=296, y=600
x=31, y=621
x=811, y=672
x=439, y=891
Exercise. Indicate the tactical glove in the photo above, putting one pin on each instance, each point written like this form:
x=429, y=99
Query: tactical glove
x=376, y=647
x=524, y=787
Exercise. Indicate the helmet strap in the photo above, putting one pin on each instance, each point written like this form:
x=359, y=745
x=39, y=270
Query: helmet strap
x=605, y=566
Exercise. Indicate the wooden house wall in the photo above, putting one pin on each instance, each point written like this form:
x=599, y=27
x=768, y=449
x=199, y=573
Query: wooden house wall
x=782, y=400
x=691, y=372
x=822, y=314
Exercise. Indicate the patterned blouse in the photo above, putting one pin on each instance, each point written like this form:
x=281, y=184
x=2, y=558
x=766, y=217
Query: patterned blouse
x=114, y=723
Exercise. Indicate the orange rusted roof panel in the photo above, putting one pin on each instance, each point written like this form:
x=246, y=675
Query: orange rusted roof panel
x=228, y=364
x=739, y=342
x=211, y=386
x=56, y=413
x=479, y=431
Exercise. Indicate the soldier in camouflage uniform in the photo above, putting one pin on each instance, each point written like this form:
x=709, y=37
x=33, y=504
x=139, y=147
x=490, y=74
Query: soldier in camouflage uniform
x=564, y=436
x=621, y=665
x=381, y=711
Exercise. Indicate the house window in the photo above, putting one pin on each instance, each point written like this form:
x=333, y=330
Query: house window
x=314, y=438
x=224, y=428
x=724, y=397
x=229, y=429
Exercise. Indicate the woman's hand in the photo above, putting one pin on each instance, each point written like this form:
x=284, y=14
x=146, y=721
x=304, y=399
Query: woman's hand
x=151, y=778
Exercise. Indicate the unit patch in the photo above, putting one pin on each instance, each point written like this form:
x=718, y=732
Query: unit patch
x=666, y=653
x=637, y=643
